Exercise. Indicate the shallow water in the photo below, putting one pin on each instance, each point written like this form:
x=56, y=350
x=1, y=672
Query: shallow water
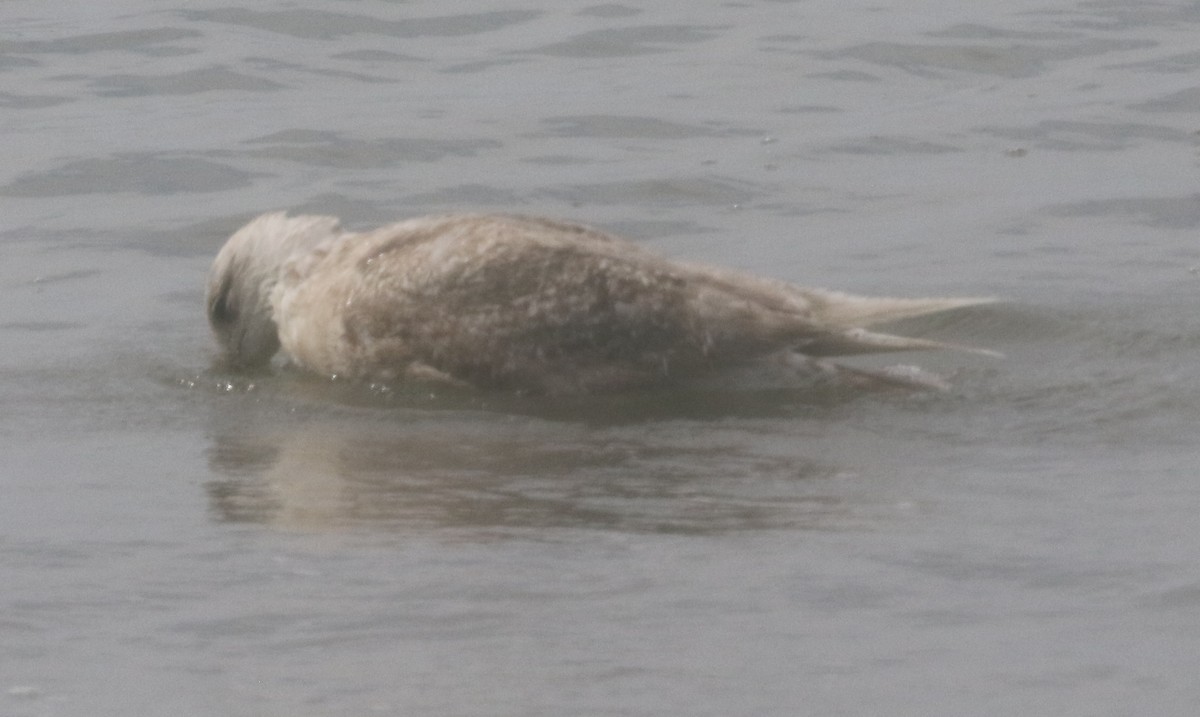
x=178, y=539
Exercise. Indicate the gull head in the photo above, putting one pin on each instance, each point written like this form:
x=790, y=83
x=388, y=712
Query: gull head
x=243, y=276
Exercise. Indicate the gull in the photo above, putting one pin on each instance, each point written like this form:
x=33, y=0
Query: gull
x=531, y=305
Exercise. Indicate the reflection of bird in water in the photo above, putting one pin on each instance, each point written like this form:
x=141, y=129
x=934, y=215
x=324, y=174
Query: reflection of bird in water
x=526, y=304
x=342, y=469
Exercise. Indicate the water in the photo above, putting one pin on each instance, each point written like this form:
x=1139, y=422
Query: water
x=175, y=539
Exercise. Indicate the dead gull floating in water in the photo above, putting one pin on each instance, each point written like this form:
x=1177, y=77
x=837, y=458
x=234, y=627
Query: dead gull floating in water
x=528, y=304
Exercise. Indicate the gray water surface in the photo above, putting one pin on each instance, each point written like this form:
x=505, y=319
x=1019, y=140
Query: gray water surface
x=177, y=539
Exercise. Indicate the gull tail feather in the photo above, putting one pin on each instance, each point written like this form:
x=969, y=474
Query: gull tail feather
x=861, y=341
x=842, y=310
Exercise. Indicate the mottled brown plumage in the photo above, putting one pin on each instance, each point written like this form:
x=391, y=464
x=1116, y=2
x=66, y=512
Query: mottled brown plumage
x=523, y=303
